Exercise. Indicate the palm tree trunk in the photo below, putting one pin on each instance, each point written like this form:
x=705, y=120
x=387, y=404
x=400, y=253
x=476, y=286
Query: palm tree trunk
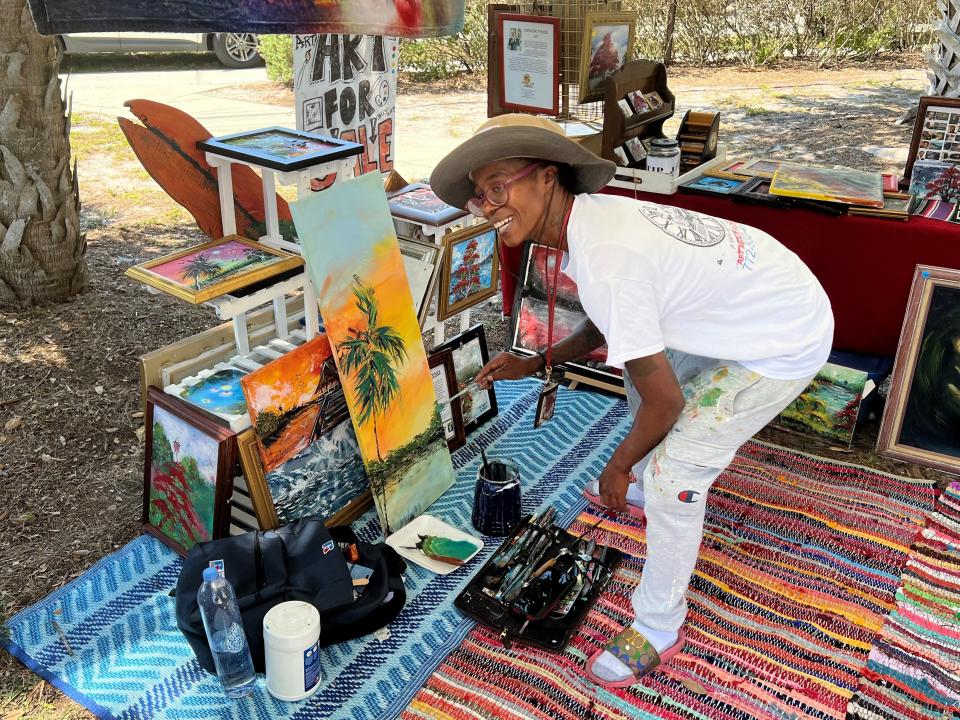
x=42, y=252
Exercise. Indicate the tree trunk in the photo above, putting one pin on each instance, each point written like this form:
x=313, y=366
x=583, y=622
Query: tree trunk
x=42, y=252
x=668, y=40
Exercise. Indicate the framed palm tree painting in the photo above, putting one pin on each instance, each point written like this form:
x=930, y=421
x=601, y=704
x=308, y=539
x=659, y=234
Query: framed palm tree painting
x=214, y=268
x=368, y=313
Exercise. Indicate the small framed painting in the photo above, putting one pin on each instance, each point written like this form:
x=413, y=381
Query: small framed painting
x=654, y=101
x=217, y=391
x=712, y=185
x=327, y=479
x=636, y=150
x=758, y=167
x=423, y=265
x=638, y=102
x=188, y=473
x=214, y=268
x=606, y=45
x=470, y=269
x=469, y=356
x=444, y=375
x=418, y=203
x=922, y=415
x=626, y=108
x=282, y=149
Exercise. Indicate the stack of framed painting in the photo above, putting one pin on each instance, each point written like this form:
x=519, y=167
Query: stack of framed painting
x=377, y=346
x=922, y=415
x=529, y=319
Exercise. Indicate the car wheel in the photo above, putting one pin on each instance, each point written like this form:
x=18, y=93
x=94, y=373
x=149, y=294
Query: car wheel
x=237, y=50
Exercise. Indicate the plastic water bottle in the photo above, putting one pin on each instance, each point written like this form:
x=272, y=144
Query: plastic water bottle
x=228, y=642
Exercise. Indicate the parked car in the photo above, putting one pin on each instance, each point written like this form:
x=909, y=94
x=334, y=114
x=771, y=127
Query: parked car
x=235, y=50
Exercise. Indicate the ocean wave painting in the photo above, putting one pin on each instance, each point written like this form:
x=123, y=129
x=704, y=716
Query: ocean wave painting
x=321, y=480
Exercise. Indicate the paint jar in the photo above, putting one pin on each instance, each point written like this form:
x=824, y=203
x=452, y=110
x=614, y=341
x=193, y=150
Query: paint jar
x=291, y=635
x=496, y=500
x=664, y=156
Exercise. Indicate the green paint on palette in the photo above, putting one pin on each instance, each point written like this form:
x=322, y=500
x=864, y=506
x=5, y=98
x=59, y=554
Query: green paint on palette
x=710, y=397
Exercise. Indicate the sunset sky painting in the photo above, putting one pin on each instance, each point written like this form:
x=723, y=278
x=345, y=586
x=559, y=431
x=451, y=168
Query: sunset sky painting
x=368, y=312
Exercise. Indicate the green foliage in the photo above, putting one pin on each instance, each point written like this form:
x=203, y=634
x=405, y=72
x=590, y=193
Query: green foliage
x=465, y=52
x=399, y=460
x=162, y=452
x=277, y=53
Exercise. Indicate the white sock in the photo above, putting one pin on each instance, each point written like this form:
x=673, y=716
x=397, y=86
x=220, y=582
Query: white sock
x=634, y=492
x=607, y=667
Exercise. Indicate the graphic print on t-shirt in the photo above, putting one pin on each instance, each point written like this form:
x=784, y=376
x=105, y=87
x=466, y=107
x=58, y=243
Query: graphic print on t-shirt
x=685, y=226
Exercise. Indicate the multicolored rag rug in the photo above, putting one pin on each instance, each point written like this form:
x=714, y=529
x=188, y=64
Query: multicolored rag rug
x=799, y=565
x=914, y=668
x=126, y=658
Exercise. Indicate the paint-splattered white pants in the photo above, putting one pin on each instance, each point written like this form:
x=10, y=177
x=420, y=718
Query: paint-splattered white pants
x=726, y=405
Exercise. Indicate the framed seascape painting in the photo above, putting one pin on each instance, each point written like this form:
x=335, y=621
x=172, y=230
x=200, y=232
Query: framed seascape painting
x=470, y=269
x=418, y=203
x=327, y=479
x=528, y=331
x=606, y=45
x=280, y=148
x=469, y=356
x=444, y=375
x=214, y=268
x=293, y=400
x=368, y=313
x=830, y=404
x=188, y=473
x=422, y=263
x=922, y=415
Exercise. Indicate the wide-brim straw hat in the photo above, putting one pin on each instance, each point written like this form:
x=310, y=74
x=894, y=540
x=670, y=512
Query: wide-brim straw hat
x=516, y=136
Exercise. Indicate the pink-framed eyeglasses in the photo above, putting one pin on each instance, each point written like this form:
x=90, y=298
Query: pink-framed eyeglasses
x=496, y=195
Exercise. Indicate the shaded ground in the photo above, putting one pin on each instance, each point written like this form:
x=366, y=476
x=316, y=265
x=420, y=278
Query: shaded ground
x=71, y=454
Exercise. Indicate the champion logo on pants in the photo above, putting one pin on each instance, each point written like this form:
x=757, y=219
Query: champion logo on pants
x=688, y=496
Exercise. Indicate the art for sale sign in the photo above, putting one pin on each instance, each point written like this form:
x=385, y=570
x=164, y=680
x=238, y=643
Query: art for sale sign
x=346, y=87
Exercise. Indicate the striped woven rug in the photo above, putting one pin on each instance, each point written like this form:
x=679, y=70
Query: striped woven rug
x=799, y=565
x=914, y=668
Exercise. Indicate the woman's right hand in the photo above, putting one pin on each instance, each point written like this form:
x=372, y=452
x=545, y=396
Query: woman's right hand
x=507, y=366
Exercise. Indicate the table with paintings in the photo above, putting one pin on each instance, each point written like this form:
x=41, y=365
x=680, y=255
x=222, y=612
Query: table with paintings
x=865, y=264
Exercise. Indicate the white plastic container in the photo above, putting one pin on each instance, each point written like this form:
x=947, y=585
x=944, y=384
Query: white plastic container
x=291, y=631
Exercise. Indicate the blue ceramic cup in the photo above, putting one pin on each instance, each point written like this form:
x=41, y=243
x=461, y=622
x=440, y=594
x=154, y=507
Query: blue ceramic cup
x=496, y=500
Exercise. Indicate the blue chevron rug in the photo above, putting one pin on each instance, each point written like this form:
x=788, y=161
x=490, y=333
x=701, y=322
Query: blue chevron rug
x=126, y=658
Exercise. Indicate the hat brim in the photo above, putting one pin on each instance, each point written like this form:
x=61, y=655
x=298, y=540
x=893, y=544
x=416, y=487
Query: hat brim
x=451, y=182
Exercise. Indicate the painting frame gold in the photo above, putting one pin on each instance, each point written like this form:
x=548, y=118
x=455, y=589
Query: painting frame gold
x=263, y=506
x=913, y=337
x=447, y=309
x=143, y=272
x=590, y=21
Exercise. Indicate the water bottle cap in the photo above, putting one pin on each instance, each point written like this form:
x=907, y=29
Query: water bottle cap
x=210, y=574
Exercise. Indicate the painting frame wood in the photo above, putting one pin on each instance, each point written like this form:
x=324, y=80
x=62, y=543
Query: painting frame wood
x=445, y=215
x=914, y=339
x=259, y=490
x=553, y=59
x=144, y=271
x=592, y=20
x=227, y=146
x=225, y=440
x=473, y=334
x=447, y=309
x=444, y=359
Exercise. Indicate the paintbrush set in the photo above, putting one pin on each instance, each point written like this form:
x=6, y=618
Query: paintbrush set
x=539, y=583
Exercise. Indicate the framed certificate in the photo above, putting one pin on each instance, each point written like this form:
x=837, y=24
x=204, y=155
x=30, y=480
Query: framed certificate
x=529, y=63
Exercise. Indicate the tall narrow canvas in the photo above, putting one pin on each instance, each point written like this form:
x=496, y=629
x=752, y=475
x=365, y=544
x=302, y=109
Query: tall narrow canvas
x=354, y=261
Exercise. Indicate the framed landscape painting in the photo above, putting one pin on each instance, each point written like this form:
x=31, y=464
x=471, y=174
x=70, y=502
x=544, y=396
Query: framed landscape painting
x=607, y=44
x=417, y=202
x=280, y=148
x=214, y=268
x=327, y=479
x=188, y=473
x=293, y=400
x=922, y=415
x=377, y=345
x=470, y=269
x=216, y=391
x=469, y=356
x=830, y=404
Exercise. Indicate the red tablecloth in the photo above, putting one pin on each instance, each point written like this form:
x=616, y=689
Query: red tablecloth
x=865, y=264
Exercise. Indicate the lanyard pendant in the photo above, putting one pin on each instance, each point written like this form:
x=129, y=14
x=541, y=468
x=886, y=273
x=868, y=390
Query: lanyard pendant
x=547, y=402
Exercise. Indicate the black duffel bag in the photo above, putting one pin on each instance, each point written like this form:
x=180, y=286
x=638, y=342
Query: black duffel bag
x=300, y=561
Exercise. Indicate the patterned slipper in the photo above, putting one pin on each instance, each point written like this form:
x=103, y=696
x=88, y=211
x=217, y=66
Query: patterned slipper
x=634, y=510
x=635, y=651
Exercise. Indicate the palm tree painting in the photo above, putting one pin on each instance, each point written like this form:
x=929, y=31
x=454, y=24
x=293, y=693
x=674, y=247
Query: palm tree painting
x=199, y=266
x=369, y=317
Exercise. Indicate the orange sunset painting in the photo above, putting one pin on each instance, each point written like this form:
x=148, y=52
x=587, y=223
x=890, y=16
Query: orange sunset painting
x=354, y=261
x=293, y=400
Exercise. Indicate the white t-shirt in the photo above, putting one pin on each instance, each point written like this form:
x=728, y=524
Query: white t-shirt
x=653, y=276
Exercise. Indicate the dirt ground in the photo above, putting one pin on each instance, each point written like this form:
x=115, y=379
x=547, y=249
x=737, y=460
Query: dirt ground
x=71, y=423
